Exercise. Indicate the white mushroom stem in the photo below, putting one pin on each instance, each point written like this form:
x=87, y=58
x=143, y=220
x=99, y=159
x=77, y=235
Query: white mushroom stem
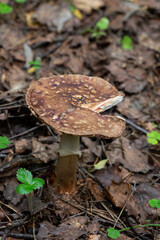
x=69, y=153
x=69, y=145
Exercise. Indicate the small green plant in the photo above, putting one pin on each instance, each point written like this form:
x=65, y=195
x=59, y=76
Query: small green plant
x=100, y=27
x=35, y=64
x=20, y=1
x=4, y=141
x=154, y=125
x=154, y=203
x=5, y=8
x=127, y=43
x=113, y=233
x=28, y=182
x=153, y=137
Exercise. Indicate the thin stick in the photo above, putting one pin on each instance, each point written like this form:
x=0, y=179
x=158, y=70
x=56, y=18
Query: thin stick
x=132, y=124
x=25, y=132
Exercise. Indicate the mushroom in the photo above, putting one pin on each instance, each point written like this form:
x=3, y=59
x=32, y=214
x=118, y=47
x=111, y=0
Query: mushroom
x=71, y=104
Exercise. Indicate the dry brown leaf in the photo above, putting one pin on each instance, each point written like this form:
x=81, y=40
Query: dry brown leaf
x=71, y=229
x=53, y=15
x=93, y=187
x=119, y=193
x=88, y=5
x=44, y=152
x=16, y=79
x=22, y=145
x=139, y=205
x=9, y=36
x=132, y=157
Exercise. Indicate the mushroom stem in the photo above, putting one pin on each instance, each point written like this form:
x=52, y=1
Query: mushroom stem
x=69, y=152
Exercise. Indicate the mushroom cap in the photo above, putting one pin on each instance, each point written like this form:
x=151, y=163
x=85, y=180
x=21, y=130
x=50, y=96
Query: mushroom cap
x=71, y=104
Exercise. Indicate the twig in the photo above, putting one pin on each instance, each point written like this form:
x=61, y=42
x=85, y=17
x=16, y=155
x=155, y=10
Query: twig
x=132, y=124
x=11, y=208
x=18, y=235
x=26, y=132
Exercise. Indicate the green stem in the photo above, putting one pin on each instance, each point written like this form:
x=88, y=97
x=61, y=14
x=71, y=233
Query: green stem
x=145, y=225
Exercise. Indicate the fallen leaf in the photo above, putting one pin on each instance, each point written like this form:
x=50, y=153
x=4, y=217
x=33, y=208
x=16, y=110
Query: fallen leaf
x=87, y=5
x=56, y=15
x=16, y=79
x=141, y=208
x=93, y=187
x=119, y=193
x=71, y=229
x=109, y=175
x=10, y=191
x=22, y=145
x=44, y=152
x=132, y=158
x=100, y=165
x=93, y=146
x=44, y=230
x=37, y=205
x=9, y=36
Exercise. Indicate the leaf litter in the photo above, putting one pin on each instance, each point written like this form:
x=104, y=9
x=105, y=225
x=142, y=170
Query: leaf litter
x=130, y=176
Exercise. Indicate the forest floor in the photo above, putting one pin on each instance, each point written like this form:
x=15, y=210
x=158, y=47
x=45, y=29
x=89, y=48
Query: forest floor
x=56, y=34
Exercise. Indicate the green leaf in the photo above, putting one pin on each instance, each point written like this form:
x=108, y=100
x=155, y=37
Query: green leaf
x=4, y=142
x=24, y=189
x=5, y=8
x=100, y=165
x=20, y=1
x=155, y=125
x=103, y=23
x=36, y=67
x=24, y=176
x=113, y=233
x=98, y=34
x=154, y=203
x=72, y=8
x=126, y=43
x=154, y=134
x=37, y=62
x=37, y=183
x=152, y=141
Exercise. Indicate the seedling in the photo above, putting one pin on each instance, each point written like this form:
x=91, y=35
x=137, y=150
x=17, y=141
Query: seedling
x=5, y=8
x=20, y=1
x=113, y=233
x=100, y=27
x=154, y=125
x=4, y=142
x=153, y=137
x=35, y=64
x=126, y=43
x=154, y=203
x=28, y=184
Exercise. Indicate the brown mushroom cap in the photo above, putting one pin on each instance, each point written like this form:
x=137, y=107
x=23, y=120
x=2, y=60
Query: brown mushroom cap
x=63, y=102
